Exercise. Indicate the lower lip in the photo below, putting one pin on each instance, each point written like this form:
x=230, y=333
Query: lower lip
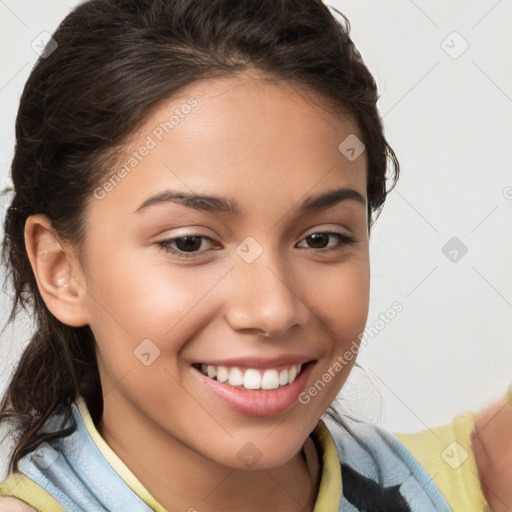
x=258, y=402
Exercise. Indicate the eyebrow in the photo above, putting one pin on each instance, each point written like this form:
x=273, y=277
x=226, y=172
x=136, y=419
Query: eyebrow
x=225, y=205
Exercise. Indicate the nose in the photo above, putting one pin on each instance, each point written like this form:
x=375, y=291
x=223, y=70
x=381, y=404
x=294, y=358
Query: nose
x=265, y=298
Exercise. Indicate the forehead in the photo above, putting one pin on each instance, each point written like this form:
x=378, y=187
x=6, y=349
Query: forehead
x=244, y=136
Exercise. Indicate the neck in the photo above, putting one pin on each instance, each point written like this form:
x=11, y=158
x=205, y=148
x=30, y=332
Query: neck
x=180, y=478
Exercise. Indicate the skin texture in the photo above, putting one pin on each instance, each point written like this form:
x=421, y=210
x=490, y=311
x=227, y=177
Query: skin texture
x=493, y=453
x=267, y=146
x=14, y=505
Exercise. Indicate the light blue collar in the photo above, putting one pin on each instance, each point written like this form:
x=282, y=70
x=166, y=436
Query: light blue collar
x=76, y=473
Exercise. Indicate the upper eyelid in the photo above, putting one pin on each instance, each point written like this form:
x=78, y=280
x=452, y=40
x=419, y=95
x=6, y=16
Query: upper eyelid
x=213, y=241
x=311, y=231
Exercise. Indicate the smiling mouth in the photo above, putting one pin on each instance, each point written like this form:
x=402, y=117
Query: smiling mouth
x=252, y=378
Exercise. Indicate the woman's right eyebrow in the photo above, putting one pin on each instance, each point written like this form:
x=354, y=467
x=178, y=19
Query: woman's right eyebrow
x=228, y=206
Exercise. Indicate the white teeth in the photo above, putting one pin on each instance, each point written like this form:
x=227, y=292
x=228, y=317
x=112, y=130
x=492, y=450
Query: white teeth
x=252, y=378
x=270, y=379
x=236, y=377
x=291, y=374
x=212, y=372
x=222, y=374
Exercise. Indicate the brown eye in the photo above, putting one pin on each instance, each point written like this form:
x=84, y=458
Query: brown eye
x=320, y=241
x=185, y=246
x=189, y=243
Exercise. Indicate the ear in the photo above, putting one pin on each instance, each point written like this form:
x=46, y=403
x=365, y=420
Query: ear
x=57, y=271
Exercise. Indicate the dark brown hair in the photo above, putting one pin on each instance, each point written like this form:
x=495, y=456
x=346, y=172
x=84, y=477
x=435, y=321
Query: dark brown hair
x=115, y=60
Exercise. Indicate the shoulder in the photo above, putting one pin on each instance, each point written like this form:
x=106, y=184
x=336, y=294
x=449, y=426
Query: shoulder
x=19, y=493
x=376, y=454
x=447, y=455
x=14, y=505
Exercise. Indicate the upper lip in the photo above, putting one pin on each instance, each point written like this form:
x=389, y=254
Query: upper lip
x=259, y=362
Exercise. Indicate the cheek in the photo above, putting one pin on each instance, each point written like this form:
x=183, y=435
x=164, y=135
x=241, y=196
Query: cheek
x=342, y=310
x=341, y=301
x=142, y=314
x=150, y=300
x=138, y=308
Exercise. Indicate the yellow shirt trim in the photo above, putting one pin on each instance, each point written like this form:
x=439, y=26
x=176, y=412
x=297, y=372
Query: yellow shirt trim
x=22, y=487
x=329, y=492
x=447, y=456
x=330, y=489
x=115, y=462
x=444, y=452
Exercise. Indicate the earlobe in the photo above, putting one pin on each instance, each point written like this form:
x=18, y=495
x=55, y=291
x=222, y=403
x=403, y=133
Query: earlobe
x=57, y=272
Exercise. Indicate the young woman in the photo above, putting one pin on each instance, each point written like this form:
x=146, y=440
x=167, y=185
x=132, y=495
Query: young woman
x=195, y=183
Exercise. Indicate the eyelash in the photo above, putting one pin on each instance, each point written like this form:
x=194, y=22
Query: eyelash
x=343, y=239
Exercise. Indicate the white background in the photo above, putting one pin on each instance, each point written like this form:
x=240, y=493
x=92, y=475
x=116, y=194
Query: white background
x=450, y=121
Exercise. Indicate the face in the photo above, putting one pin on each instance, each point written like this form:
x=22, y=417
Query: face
x=267, y=275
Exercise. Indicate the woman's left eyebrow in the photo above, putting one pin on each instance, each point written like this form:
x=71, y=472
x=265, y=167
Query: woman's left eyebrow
x=228, y=206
